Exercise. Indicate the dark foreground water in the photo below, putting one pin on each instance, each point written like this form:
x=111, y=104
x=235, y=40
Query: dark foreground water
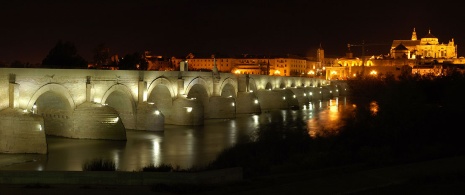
x=182, y=146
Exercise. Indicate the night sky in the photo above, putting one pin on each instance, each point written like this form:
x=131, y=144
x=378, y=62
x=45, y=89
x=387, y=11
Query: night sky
x=29, y=29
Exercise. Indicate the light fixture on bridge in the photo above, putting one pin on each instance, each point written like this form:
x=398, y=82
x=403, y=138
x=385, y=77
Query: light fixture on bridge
x=310, y=93
x=250, y=91
x=151, y=103
x=284, y=98
x=157, y=112
x=331, y=91
x=320, y=92
x=256, y=101
x=40, y=127
x=233, y=104
x=305, y=94
x=293, y=96
x=188, y=109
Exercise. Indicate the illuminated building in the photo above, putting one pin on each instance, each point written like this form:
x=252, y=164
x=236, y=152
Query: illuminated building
x=424, y=56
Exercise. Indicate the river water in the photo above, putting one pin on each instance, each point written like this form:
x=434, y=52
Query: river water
x=179, y=146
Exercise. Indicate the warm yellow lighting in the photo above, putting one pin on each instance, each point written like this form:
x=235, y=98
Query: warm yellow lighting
x=373, y=72
x=233, y=104
x=293, y=96
x=284, y=98
x=151, y=103
x=277, y=72
x=256, y=101
x=311, y=72
x=333, y=72
x=237, y=72
x=188, y=109
x=157, y=112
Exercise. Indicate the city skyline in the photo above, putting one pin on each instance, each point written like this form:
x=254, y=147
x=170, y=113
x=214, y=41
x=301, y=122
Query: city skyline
x=31, y=29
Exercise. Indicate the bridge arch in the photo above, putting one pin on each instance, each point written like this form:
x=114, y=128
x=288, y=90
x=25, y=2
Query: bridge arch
x=162, y=81
x=58, y=89
x=198, y=81
x=228, y=88
x=268, y=86
x=123, y=102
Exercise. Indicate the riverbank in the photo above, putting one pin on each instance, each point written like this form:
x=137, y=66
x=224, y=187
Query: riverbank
x=440, y=176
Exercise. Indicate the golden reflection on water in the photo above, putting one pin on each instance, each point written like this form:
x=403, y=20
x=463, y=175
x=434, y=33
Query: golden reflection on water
x=374, y=108
x=328, y=120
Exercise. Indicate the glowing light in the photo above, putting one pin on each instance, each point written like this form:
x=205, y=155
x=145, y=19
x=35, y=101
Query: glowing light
x=151, y=103
x=237, y=72
x=277, y=72
x=157, y=112
x=256, y=101
x=116, y=120
x=188, y=109
x=284, y=98
x=230, y=96
x=233, y=104
x=310, y=93
x=373, y=72
x=40, y=127
x=305, y=94
x=311, y=72
x=250, y=91
x=293, y=96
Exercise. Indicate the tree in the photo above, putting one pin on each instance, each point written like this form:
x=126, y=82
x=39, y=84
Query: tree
x=134, y=61
x=101, y=55
x=64, y=55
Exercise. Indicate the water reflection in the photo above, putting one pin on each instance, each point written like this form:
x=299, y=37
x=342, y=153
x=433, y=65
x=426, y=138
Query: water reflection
x=328, y=117
x=182, y=146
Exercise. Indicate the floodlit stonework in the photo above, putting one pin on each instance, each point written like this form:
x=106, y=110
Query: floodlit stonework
x=103, y=104
x=21, y=132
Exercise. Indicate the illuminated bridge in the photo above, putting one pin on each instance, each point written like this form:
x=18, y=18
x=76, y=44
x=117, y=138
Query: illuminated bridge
x=102, y=104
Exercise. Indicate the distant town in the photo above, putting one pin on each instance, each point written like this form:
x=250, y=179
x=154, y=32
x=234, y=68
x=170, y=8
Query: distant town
x=424, y=56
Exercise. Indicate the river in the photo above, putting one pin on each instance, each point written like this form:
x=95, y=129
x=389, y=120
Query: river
x=179, y=146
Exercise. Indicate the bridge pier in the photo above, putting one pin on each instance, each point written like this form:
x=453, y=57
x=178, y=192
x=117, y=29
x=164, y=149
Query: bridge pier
x=20, y=130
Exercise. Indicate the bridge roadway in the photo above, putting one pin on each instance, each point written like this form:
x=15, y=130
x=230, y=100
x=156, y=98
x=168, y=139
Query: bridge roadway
x=102, y=104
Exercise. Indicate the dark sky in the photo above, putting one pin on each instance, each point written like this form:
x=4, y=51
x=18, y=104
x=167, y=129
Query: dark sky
x=29, y=29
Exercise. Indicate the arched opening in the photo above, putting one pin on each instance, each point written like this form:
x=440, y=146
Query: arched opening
x=122, y=103
x=228, y=91
x=56, y=111
x=161, y=97
x=198, y=92
x=268, y=86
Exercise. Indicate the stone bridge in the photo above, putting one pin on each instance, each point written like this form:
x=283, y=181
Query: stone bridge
x=102, y=104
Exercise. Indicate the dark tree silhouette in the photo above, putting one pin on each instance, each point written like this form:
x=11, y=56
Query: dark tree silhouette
x=64, y=55
x=134, y=61
x=101, y=56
